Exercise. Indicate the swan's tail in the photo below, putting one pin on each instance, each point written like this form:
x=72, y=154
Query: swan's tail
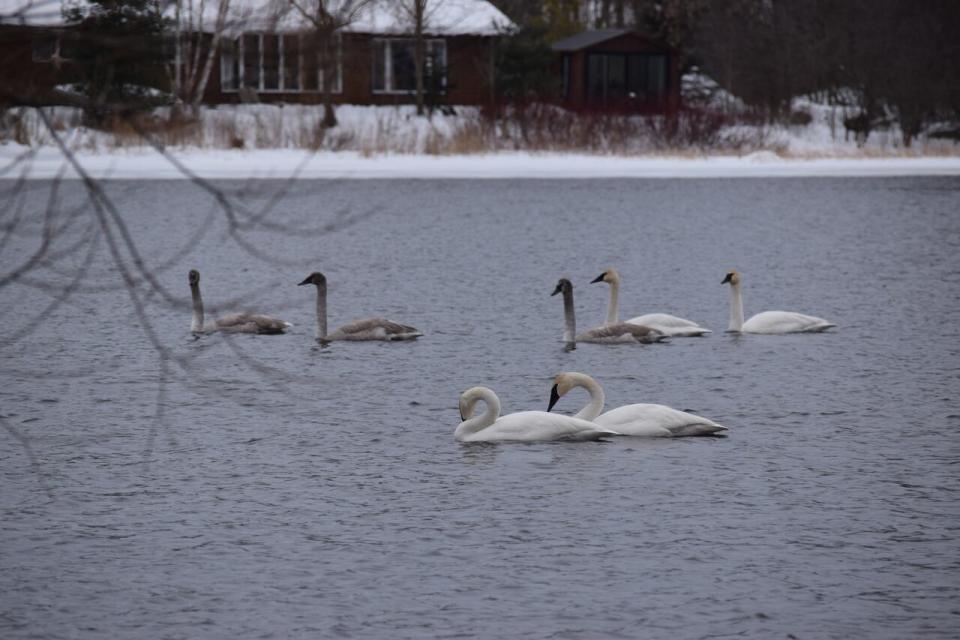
x=698, y=429
x=597, y=434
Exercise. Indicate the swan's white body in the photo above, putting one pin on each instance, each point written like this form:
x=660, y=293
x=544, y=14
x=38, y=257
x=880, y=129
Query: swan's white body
x=365, y=329
x=784, y=322
x=769, y=322
x=524, y=426
x=642, y=420
x=616, y=333
x=665, y=323
x=231, y=323
x=657, y=419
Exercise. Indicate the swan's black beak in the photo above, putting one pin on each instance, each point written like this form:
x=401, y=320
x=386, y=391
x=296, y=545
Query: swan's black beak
x=554, y=396
x=727, y=279
x=307, y=281
x=462, y=419
x=599, y=278
x=557, y=290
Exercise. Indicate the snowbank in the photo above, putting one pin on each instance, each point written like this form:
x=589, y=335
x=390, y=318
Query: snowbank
x=273, y=141
x=47, y=163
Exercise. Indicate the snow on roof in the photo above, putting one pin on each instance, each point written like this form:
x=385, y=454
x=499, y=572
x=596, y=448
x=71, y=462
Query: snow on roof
x=35, y=13
x=443, y=17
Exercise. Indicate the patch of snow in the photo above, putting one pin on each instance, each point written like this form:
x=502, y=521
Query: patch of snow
x=36, y=13
x=762, y=156
x=700, y=90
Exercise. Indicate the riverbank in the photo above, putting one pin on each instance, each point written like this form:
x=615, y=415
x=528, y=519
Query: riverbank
x=46, y=163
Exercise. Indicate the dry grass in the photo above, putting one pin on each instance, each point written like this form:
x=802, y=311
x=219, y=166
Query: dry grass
x=547, y=129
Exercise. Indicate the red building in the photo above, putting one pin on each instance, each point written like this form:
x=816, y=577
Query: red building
x=619, y=69
x=267, y=53
x=32, y=55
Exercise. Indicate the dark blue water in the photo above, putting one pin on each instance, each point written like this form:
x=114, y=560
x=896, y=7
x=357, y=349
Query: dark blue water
x=157, y=486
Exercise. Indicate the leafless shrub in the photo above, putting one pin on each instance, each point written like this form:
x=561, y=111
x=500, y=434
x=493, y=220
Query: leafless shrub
x=547, y=128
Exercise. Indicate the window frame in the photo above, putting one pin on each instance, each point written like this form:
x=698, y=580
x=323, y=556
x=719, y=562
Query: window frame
x=54, y=38
x=388, y=70
x=232, y=64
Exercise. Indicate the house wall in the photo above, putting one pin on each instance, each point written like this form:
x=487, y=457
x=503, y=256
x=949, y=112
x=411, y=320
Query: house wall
x=23, y=81
x=630, y=43
x=468, y=76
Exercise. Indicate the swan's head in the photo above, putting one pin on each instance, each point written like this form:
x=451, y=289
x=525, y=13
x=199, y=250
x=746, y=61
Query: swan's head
x=732, y=277
x=563, y=286
x=468, y=400
x=561, y=386
x=194, y=277
x=316, y=278
x=610, y=275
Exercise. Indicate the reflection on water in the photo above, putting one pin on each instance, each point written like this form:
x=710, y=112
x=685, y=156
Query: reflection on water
x=290, y=489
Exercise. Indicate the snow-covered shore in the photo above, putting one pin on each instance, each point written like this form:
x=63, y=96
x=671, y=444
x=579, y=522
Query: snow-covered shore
x=46, y=163
x=270, y=141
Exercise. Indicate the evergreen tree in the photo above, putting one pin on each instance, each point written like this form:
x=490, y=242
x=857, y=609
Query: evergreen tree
x=525, y=65
x=119, y=54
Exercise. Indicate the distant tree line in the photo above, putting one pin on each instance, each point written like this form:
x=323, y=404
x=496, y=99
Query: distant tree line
x=885, y=59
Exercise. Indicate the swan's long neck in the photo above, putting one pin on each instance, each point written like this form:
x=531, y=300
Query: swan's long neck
x=473, y=424
x=595, y=407
x=321, y=328
x=569, y=319
x=196, y=325
x=736, y=308
x=613, y=308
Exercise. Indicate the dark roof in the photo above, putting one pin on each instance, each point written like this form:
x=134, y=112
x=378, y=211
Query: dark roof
x=586, y=39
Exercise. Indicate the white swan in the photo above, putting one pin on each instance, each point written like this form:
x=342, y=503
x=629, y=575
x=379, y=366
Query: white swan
x=231, y=323
x=768, y=321
x=649, y=420
x=525, y=426
x=365, y=329
x=617, y=333
x=663, y=322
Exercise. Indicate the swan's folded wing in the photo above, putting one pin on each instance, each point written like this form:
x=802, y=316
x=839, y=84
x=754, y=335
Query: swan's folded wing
x=657, y=420
x=785, y=322
x=540, y=426
x=376, y=328
x=621, y=332
x=251, y=323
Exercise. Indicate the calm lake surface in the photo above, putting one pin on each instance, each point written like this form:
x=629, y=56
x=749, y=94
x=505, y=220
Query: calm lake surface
x=284, y=490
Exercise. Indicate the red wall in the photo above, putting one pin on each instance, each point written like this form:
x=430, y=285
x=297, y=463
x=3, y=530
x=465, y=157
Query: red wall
x=468, y=76
x=23, y=81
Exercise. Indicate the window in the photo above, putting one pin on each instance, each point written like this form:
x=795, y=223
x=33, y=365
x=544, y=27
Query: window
x=394, y=70
x=615, y=77
x=50, y=47
x=276, y=63
x=270, y=61
x=648, y=76
x=250, y=54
